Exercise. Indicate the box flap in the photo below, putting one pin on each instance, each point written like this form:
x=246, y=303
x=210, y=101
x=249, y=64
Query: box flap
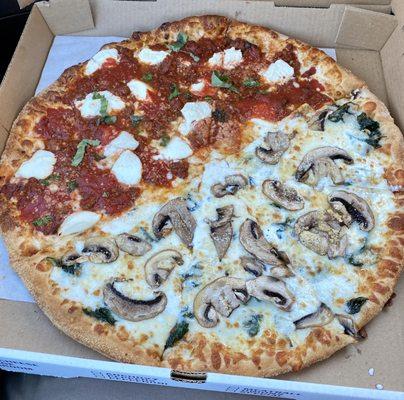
x=65, y=17
x=327, y=3
x=365, y=29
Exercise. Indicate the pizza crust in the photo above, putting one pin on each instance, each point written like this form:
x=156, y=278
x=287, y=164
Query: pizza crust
x=196, y=352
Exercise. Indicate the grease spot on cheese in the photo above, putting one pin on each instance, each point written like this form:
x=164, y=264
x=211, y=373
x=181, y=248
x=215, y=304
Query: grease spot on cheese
x=39, y=166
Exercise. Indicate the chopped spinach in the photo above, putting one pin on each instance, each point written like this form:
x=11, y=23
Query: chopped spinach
x=338, y=114
x=135, y=119
x=192, y=204
x=185, y=313
x=103, y=314
x=81, y=148
x=252, y=325
x=52, y=177
x=182, y=38
x=174, y=91
x=178, y=331
x=219, y=115
x=249, y=82
x=354, y=305
x=222, y=81
x=71, y=185
x=372, y=129
x=164, y=140
x=45, y=220
x=74, y=269
x=147, y=77
x=364, y=256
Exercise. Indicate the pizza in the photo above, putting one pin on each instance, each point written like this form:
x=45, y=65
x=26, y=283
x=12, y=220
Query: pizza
x=208, y=196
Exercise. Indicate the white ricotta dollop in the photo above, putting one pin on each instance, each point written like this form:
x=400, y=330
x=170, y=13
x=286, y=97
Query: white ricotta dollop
x=128, y=168
x=124, y=141
x=227, y=59
x=278, y=71
x=153, y=57
x=192, y=113
x=138, y=89
x=78, y=222
x=90, y=107
x=39, y=166
x=99, y=59
x=176, y=149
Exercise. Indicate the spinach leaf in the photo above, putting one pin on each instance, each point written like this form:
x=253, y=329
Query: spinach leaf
x=103, y=314
x=74, y=269
x=45, y=220
x=81, y=148
x=109, y=119
x=338, y=114
x=364, y=256
x=178, y=331
x=354, y=305
x=222, y=81
x=249, y=82
x=252, y=325
x=174, y=91
x=71, y=185
x=147, y=77
x=182, y=38
x=372, y=128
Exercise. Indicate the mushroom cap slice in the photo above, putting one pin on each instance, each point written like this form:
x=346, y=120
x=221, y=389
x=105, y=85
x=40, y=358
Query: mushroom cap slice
x=355, y=206
x=132, y=244
x=321, y=317
x=282, y=195
x=220, y=297
x=133, y=309
x=100, y=250
x=321, y=161
x=349, y=325
x=252, y=265
x=271, y=289
x=71, y=258
x=175, y=212
x=276, y=143
x=159, y=266
x=232, y=184
x=221, y=230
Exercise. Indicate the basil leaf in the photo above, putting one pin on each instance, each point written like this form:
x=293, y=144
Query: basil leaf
x=103, y=314
x=109, y=119
x=249, y=82
x=104, y=103
x=194, y=56
x=47, y=181
x=147, y=77
x=222, y=81
x=71, y=185
x=354, y=305
x=45, y=220
x=81, y=148
x=135, y=119
x=165, y=139
x=252, y=325
x=179, y=330
x=182, y=38
x=174, y=91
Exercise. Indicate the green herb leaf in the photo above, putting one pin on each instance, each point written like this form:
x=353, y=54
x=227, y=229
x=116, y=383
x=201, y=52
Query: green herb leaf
x=354, y=305
x=222, y=81
x=179, y=330
x=147, y=77
x=253, y=324
x=45, y=220
x=194, y=56
x=135, y=119
x=104, y=103
x=81, y=148
x=103, y=314
x=249, y=82
x=372, y=128
x=338, y=114
x=174, y=91
x=182, y=38
x=71, y=185
x=364, y=256
x=109, y=119
x=165, y=139
x=47, y=181
x=208, y=98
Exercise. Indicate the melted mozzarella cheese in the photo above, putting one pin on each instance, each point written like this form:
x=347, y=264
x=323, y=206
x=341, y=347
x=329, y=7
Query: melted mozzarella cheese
x=124, y=223
x=152, y=57
x=39, y=166
x=78, y=222
x=278, y=71
x=124, y=141
x=227, y=59
x=99, y=59
x=192, y=113
x=138, y=89
x=128, y=168
x=176, y=149
x=90, y=107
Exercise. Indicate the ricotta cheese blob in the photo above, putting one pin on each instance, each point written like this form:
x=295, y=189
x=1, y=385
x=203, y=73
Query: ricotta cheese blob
x=192, y=113
x=227, y=59
x=124, y=141
x=78, y=222
x=128, y=168
x=99, y=59
x=176, y=149
x=138, y=89
x=152, y=57
x=278, y=71
x=198, y=86
x=90, y=107
x=39, y=166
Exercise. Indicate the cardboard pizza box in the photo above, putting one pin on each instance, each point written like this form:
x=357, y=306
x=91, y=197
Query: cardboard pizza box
x=369, y=43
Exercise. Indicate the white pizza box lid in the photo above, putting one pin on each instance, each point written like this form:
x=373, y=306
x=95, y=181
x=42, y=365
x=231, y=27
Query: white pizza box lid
x=369, y=43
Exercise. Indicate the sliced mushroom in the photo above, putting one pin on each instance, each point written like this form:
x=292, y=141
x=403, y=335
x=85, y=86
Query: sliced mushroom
x=356, y=207
x=159, y=266
x=275, y=144
x=321, y=162
x=133, y=309
x=71, y=258
x=349, y=325
x=316, y=123
x=252, y=265
x=320, y=232
x=220, y=297
x=282, y=195
x=221, y=230
x=133, y=245
x=321, y=317
x=271, y=289
x=176, y=213
x=232, y=184
x=100, y=250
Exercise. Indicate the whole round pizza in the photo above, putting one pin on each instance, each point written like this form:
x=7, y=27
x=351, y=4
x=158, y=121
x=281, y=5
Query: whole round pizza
x=207, y=196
